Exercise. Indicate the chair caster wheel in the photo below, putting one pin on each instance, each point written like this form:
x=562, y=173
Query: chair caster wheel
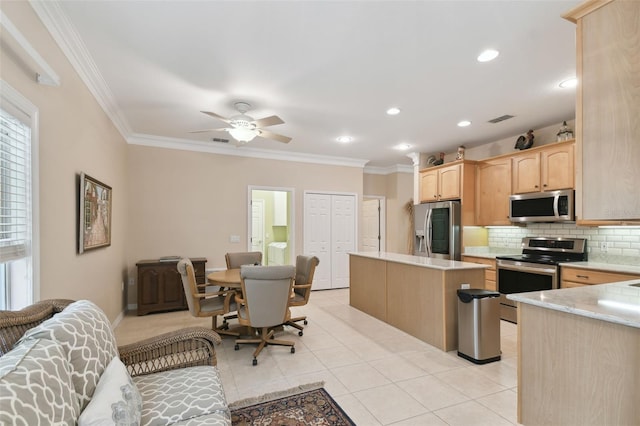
x=293, y=350
x=306, y=322
x=300, y=333
x=236, y=347
x=255, y=361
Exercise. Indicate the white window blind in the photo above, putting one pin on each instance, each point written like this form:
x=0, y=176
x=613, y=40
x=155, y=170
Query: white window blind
x=15, y=158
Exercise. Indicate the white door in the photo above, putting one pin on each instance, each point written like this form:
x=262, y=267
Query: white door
x=257, y=226
x=317, y=236
x=343, y=238
x=371, y=225
x=330, y=234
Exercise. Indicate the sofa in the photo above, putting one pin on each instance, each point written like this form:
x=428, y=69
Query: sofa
x=60, y=365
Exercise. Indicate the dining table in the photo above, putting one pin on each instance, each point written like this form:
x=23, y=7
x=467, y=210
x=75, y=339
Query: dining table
x=228, y=278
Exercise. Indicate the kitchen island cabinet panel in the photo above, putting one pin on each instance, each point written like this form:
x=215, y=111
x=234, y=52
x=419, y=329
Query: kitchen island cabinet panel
x=368, y=286
x=574, y=370
x=414, y=294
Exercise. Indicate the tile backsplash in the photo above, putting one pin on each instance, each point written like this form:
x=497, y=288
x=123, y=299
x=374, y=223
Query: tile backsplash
x=622, y=243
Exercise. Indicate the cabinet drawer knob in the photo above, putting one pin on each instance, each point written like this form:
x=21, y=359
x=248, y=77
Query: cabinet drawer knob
x=544, y=185
x=583, y=276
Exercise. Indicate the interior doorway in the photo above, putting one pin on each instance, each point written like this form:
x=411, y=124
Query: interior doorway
x=271, y=224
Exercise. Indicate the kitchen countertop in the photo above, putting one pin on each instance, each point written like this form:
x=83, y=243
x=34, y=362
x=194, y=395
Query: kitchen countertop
x=427, y=262
x=616, y=302
x=608, y=267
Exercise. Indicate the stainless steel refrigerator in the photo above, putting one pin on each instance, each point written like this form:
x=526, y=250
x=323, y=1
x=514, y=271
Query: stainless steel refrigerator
x=437, y=230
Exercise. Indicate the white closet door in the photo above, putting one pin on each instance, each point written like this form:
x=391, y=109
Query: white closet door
x=317, y=233
x=343, y=237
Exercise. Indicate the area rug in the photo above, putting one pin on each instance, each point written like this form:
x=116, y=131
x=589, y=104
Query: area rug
x=303, y=405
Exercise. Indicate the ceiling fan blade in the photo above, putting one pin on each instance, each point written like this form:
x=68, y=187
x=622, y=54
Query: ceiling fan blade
x=209, y=130
x=276, y=137
x=268, y=121
x=214, y=115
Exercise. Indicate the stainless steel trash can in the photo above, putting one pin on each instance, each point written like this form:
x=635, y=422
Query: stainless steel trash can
x=479, y=325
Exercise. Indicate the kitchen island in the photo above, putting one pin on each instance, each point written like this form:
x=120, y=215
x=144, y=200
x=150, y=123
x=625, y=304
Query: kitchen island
x=414, y=294
x=578, y=355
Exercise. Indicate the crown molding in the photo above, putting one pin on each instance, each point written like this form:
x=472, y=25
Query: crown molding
x=241, y=151
x=397, y=168
x=69, y=41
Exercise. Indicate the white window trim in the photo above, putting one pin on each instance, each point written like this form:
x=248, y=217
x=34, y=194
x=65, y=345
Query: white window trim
x=11, y=96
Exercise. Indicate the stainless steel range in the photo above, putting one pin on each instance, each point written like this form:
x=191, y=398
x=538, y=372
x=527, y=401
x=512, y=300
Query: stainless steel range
x=535, y=269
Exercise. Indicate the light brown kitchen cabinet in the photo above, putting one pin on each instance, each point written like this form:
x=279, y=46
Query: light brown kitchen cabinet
x=548, y=168
x=607, y=111
x=578, y=277
x=453, y=181
x=440, y=184
x=493, y=188
x=489, y=273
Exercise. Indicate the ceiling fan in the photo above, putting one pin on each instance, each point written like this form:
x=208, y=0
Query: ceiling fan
x=244, y=128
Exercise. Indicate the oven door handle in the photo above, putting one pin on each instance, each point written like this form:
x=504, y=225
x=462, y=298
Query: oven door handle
x=533, y=270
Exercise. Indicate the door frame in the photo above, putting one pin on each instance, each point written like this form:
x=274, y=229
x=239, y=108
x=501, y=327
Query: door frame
x=291, y=215
x=382, y=216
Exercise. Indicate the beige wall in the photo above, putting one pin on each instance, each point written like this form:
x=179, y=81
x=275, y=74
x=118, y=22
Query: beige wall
x=75, y=135
x=397, y=188
x=189, y=203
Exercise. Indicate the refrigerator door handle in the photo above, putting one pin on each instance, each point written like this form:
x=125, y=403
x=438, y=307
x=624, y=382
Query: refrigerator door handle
x=427, y=232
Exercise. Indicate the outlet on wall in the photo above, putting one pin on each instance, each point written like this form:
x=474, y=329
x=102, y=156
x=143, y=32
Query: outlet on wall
x=603, y=246
x=465, y=286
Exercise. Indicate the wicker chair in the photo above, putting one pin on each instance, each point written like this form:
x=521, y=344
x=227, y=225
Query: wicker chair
x=188, y=347
x=305, y=268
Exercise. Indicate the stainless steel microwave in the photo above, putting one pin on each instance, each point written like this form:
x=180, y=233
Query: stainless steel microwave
x=552, y=206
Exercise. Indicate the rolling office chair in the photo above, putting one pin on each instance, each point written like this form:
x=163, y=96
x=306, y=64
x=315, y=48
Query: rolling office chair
x=206, y=304
x=305, y=268
x=264, y=303
x=236, y=260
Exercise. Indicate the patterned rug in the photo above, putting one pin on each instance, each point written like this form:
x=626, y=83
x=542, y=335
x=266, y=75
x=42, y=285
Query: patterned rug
x=303, y=405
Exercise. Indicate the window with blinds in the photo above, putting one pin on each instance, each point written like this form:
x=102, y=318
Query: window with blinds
x=15, y=160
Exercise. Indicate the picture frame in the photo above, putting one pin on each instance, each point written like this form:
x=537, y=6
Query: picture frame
x=94, y=227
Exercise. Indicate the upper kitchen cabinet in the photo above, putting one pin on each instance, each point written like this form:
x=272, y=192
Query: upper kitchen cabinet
x=607, y=111
x=440, y=183
x=547, y=168
x=493, y=188
x=451, y=182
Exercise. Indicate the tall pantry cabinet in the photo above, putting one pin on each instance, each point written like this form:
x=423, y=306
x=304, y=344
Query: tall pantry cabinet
x=330, y=234
x=607, y=110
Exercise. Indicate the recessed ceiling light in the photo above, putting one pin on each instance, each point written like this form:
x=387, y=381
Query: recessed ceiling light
x=345, y=139
x=403, y=146
x=393, y=111
x=488, y=55
x=464, y=123
x=570, y=82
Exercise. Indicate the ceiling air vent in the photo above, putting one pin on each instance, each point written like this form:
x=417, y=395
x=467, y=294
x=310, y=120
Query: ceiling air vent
x=220, y=140
x=501, y=118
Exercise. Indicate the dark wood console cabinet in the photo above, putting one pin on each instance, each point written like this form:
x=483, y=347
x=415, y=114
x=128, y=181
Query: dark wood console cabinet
x=160, y=286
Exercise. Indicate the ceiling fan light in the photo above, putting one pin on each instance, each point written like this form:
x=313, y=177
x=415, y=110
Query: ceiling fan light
x=242, y=134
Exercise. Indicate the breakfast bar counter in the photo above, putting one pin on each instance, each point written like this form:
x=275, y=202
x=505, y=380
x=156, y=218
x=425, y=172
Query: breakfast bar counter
x=414, y=294
x=578, y=352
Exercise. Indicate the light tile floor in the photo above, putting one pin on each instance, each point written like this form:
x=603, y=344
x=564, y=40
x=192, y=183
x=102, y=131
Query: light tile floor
x=379, y=375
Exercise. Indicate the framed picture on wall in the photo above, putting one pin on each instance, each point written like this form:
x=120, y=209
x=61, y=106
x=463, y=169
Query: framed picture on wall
x=95, y=214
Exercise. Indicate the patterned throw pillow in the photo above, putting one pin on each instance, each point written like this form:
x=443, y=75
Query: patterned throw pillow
x=35, y=386
x=116, y=400
x=84, y=332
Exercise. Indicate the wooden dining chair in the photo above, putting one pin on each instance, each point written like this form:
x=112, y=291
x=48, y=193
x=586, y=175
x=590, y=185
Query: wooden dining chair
x=210, y=304
x=264, y=304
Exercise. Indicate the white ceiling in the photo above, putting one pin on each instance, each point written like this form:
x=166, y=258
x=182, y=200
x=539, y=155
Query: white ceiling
x=327, y=68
